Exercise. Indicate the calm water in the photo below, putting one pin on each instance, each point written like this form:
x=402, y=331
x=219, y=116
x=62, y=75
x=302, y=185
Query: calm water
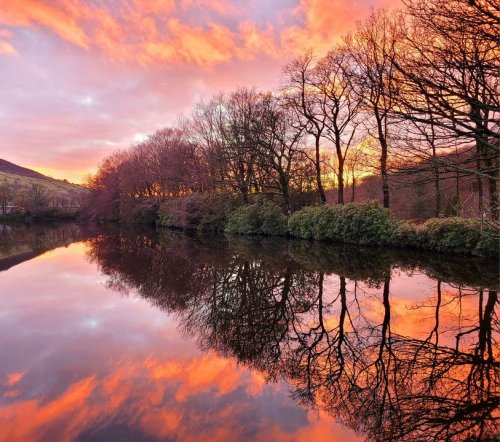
x=136, y=336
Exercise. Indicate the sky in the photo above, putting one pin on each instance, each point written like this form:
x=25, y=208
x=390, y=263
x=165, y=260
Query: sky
x=80, y=79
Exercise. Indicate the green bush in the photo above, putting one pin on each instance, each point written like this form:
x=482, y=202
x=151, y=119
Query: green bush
x=172, y=213
x=405, y=234
x=302, y=223
x=355, y=223
x=367, y=223
x=328, y=223
x=145, y=214
x=459, y=235
x=261, y=218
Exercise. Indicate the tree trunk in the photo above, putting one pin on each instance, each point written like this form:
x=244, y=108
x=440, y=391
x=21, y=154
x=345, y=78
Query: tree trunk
x=243, y=184
x=340, y=194
x=286, y=196
x=492, y=189
x=321, y=192
x=490, y=159
x=383, y=158
x=383, y=171
x=437, y=186
x=353, y=188
x=457, y=191
x=479, y=180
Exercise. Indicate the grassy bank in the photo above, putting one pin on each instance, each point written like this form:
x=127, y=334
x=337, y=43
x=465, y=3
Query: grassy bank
x=46, y=215
x=356, y=223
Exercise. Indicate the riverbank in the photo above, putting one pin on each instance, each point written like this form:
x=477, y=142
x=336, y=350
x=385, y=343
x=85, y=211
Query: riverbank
x=366, y=224
x=50, y=214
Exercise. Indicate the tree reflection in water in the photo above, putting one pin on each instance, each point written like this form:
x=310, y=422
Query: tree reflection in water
x=22, y=243
x=324, y=319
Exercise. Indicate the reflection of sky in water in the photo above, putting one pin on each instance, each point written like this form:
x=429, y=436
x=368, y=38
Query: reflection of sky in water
x=78, y=361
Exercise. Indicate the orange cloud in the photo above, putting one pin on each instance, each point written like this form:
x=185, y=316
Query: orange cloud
x=14, y=378
x=155, y=6
x=63, y=19
x=197, y=45
x=17, y=427
x=207, y=373
x=156, y=31
x=222, y=7
x=325, y=21
x=136, y=64
x=160, y=423
x=144, y=31
x=5, y=47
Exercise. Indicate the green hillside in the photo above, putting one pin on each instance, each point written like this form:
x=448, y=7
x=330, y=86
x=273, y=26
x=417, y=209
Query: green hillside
x=20, y=181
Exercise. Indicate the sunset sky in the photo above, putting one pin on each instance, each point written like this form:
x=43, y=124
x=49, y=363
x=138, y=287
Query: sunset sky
x=82, y=78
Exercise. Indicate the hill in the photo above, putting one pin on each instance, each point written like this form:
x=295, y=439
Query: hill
x=20, y=179
x=11, y=168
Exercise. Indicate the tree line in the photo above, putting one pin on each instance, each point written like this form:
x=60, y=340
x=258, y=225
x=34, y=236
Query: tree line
x=35, y=197
x=396, y=97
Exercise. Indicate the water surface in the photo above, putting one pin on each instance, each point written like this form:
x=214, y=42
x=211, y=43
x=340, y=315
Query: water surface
x=110, y=334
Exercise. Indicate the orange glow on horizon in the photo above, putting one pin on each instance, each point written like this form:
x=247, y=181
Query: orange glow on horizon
x=76, y=176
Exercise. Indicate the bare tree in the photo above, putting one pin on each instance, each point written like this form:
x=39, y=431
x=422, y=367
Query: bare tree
x=307, y=101
x=222, y=127
x=446, y=67
x=35, y=198
x=373, y=47
x=332, y=77
x=278, y=144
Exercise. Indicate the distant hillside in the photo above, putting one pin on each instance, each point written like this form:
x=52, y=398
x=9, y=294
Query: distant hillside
x=8, y=167
x=21, y=179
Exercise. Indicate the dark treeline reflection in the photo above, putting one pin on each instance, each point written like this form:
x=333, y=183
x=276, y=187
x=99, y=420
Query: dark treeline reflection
x=329, y=321
x=22, y=243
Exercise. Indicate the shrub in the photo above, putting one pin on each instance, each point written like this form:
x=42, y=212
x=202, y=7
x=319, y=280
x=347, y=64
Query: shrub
x=145, y=214
x=261, y=218
x=489, y=242
x=367, y=223
x=405, y=234
x=172, y=213
x=302, y=223
x=301, y=199
x=328, y=223
x=459, y=235
x=356, y=223
x=244, y=221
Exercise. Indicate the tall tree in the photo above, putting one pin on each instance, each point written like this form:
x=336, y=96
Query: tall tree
x=6, y=196
x=448, y=67
x=278, y=144
x=303, y=96
x=373, y=47
x=341, y=108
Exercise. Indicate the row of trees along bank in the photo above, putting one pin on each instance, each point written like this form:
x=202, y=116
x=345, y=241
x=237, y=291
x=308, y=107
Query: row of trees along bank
x=409, y=96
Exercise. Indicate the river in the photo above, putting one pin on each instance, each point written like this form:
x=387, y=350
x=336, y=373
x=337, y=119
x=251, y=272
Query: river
x=111, y=334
